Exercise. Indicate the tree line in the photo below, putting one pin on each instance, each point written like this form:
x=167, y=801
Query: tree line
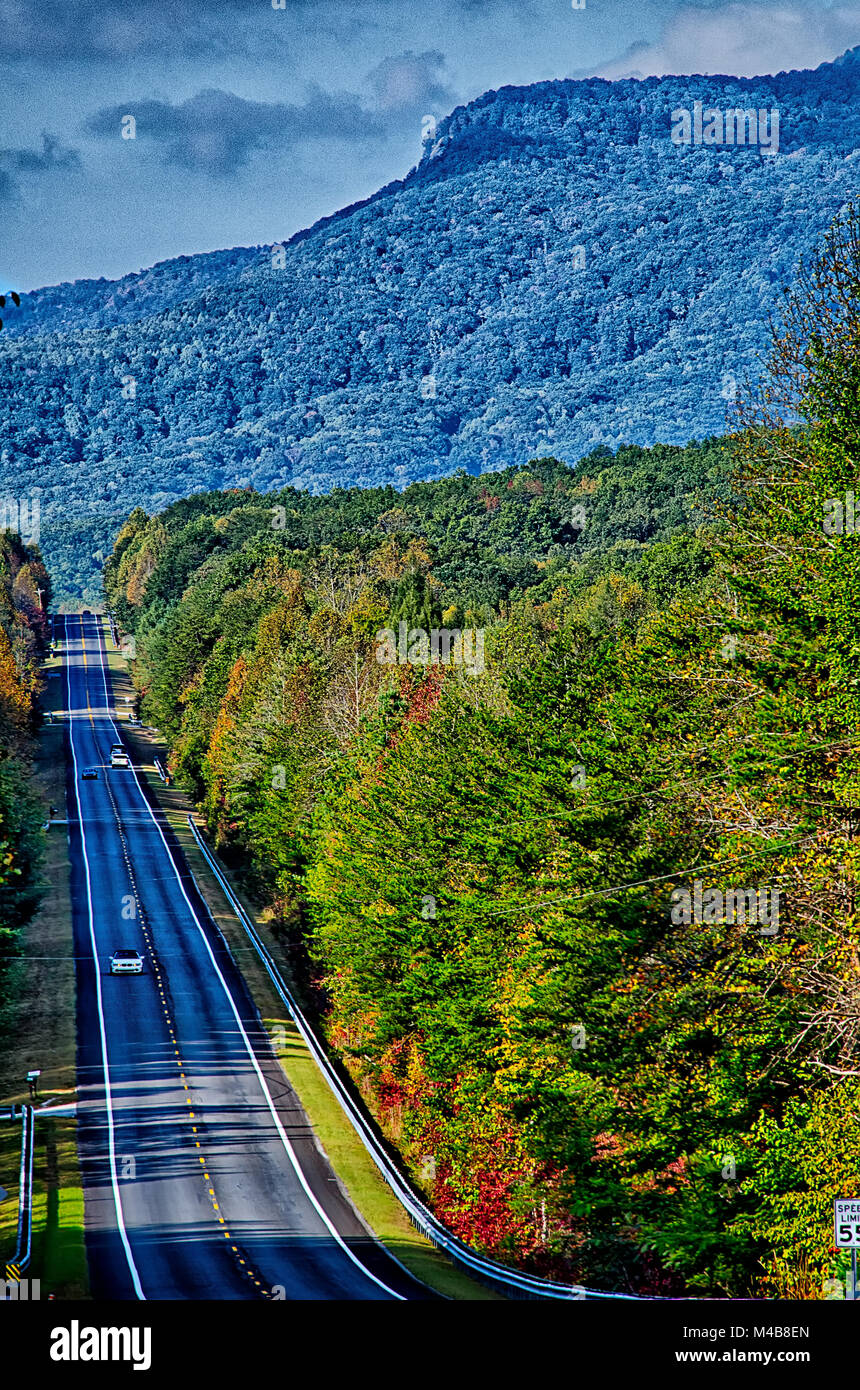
x=24, y=638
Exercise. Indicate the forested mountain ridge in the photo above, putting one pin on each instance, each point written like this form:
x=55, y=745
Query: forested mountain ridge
x=556, y=274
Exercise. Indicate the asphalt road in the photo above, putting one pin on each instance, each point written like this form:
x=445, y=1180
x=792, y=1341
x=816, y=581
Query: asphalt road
x=201, y=1176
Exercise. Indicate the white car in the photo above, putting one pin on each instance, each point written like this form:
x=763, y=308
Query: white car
x=118, y=756
x=126, y=963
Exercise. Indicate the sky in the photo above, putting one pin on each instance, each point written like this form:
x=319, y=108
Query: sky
x=253, y=118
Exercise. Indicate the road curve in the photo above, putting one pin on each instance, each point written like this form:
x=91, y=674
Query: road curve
x=202, y=1179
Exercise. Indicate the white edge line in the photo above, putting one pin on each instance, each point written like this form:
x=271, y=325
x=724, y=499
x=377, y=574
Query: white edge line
x=282, y=1133
x=135, y=1277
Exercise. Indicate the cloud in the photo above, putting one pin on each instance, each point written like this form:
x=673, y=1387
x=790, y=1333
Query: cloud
x=217, y=132
x=744, y=38
x=52, y=156
x=410, y=81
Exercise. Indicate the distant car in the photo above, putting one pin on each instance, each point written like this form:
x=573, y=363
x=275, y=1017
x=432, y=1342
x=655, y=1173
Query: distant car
x=118, y=756
x=90, y=774
x=126, y=963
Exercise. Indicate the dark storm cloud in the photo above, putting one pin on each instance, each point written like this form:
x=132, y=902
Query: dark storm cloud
x=217, y=132
x=16, y=162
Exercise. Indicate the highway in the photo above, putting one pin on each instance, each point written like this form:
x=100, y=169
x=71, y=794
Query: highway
x=202, y=1179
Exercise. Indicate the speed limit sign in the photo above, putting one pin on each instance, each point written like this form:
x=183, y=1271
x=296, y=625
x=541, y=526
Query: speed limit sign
x=847, y=1223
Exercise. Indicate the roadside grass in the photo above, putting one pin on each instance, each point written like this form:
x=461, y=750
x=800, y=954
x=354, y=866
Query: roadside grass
x=59, y=1253
x=58, y=1256
x=368, y=1192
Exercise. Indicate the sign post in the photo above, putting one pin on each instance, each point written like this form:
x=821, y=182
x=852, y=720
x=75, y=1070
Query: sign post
x=846, y=1220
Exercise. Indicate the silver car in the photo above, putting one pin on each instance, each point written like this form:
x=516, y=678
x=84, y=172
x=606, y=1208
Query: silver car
x=126, y=963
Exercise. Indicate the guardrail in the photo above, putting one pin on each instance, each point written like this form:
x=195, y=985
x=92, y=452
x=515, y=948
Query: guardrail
x=156, y=763
x=510, y=1281
x=24, y=1244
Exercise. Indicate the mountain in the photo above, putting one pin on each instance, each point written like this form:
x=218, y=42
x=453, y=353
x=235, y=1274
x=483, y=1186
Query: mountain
x=555, y=275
